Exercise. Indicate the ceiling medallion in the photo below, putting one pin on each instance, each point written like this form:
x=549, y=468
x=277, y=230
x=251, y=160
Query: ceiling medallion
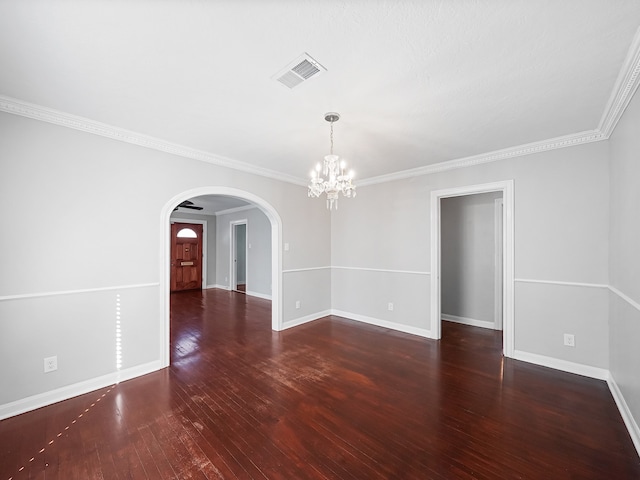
x=334, y=180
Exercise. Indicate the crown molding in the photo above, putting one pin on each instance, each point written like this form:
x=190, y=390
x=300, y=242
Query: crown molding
x=625, y=87
x=622, y=93
x=38, y=112
x=574, y=139
x=234, y=210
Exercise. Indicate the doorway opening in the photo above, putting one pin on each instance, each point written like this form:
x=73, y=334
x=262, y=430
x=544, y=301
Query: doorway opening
x=470, y=259
x=239, y=255
x=503, y=314
x=165, y=284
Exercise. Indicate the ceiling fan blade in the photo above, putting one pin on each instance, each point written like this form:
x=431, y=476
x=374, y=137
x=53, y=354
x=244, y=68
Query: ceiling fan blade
x=187, y=204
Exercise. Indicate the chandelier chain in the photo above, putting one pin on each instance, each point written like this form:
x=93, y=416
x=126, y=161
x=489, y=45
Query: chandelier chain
x=331, y=151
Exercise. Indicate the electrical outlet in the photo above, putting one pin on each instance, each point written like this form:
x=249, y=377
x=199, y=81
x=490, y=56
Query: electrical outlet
x=50, y=364
x=297, y=303
x=390, y=307
x=569, y=340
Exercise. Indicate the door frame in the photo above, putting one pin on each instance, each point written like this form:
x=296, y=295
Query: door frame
x=205, y=226
x=507, y=189
x=165, y=257
x=233, y=273
x=497, y=287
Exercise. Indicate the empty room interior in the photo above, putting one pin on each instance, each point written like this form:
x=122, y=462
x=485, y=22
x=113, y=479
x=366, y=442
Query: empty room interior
x=320, y=239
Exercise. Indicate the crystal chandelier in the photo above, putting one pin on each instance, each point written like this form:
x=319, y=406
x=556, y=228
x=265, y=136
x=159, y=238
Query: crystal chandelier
x=335, y=179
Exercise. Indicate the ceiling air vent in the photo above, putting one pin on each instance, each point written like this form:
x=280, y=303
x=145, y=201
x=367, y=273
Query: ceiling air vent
x=301, y=69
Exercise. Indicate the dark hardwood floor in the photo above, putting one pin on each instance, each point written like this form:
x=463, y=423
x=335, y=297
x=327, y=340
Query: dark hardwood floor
x=332, y=399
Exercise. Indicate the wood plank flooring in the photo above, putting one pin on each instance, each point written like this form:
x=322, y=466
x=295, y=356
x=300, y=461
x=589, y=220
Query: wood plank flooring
x=332, y=399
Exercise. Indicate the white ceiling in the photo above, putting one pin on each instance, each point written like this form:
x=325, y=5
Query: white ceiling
x=213, y=205
x=417, y=82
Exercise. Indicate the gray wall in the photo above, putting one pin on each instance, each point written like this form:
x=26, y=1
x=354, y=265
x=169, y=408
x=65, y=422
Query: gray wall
x=258, y=236
x=624, y=257
x=468, y=247
x=50, y=305
x=561, y=235
x=380, y=255
x=576, y=230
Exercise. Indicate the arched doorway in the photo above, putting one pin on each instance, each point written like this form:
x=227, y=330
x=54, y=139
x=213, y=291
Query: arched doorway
x=276, y=259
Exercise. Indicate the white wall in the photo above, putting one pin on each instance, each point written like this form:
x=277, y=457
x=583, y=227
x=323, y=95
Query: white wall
x=58, y=293
x=625, y=260
x=468, y=253
x=561, y=223
x=258, y=235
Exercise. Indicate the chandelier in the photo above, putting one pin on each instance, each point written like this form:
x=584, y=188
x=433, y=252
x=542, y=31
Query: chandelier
x=333, y=180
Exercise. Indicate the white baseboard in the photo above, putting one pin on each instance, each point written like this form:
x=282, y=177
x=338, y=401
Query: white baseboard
x=259, y=295
x=627, y=417
x=358, y=318
x=564, y=365
x=383, y=323
x=593, y=372
x=469, y=321
x=306, y=319
x=253, y=294
x=64, y=393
